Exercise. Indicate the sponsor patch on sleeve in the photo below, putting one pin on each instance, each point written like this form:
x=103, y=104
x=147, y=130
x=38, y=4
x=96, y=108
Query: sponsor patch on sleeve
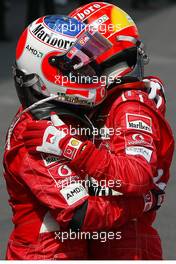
x=72, y=148
x=139, y=122
x=142, y=151
x=62, y=171
x=73, y=193
x=49, y=159
x=137, y=139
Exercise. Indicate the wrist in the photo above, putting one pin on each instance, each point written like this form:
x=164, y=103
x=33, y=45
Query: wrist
x=153, y=200
x=148, y=201
x=71, y=146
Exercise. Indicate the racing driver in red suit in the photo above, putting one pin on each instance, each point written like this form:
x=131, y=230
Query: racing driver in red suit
x=54, y=178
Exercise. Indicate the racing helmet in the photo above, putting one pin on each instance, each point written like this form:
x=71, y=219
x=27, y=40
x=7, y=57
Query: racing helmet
x=68, y=56
x=43, y=68
x=126, y=55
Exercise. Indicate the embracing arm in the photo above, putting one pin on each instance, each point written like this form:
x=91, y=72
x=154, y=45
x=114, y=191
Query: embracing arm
x=132, y=154
x=131, y=159
x=68, y=201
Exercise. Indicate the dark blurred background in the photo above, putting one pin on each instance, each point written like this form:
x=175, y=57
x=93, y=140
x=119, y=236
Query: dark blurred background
x=156, y=22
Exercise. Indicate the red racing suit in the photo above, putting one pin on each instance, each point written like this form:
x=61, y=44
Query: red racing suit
x=44, y=198
x=44, y=194
x=137, y=150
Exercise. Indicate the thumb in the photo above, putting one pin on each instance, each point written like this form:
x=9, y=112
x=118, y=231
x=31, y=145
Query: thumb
x=39, y=149
x=56, y=120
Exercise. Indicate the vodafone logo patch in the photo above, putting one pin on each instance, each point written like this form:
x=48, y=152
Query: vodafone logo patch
x=64, y=171
x=139, y=122
x=138, y=139
x=61, y=170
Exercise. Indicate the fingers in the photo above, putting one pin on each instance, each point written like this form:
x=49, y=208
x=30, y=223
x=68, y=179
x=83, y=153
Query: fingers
x=37, y=131
x=56, y=120
x=40, y=149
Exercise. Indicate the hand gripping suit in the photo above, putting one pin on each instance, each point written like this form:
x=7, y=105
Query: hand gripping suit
x=44, y=198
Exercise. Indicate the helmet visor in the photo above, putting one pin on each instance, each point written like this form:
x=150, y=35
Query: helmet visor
x=81, y=57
